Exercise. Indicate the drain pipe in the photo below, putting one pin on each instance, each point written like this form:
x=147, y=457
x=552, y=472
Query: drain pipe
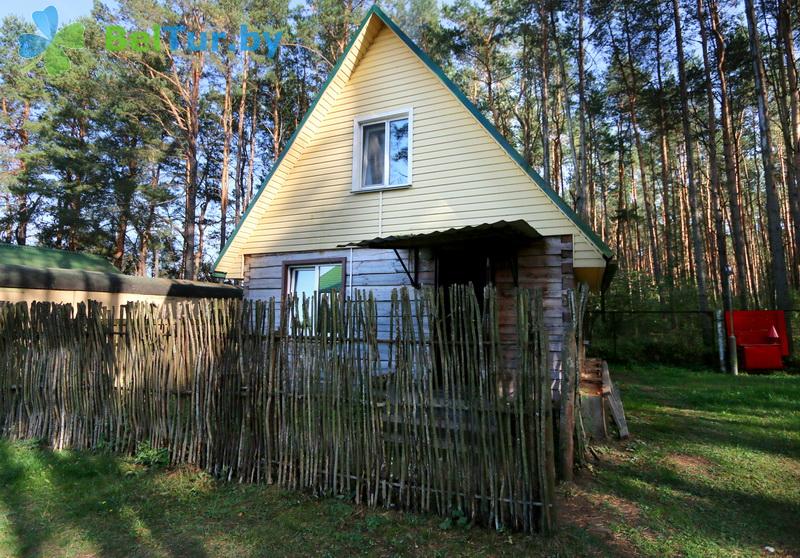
x=350, y=274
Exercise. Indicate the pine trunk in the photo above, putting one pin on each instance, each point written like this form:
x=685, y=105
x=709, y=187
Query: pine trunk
x=786, y=8
x=780, y=285
x=694, y=209
x=714, y=186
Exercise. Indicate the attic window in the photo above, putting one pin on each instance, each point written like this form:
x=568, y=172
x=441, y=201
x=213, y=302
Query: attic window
x=382, y=151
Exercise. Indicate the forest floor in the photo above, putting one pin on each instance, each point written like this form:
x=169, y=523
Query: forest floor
x=712, y=469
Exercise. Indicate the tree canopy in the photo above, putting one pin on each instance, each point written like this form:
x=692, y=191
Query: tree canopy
x=673, y=128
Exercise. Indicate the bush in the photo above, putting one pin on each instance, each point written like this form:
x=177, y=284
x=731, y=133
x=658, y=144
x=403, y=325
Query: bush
x=150, y=456
x=647, y=324
x=677, y=339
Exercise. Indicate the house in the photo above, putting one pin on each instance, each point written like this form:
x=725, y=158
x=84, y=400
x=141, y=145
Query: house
x=37, y=274
x=393, y=178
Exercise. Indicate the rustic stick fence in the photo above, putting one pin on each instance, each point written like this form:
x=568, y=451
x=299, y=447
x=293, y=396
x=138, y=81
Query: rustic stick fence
x=302, y=397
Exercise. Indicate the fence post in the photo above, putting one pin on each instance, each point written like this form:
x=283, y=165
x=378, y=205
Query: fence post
x=569, y=373
x=720, y=339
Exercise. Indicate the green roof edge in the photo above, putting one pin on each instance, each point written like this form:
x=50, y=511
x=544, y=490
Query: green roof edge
x=436, y=69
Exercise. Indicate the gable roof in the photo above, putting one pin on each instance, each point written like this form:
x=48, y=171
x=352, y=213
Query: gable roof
x=41, y=257
x=375, y=19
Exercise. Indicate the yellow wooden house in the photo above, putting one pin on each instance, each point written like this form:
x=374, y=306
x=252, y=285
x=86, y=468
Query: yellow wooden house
x=393, y=178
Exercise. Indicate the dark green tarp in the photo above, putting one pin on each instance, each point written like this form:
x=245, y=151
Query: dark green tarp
x=35, y=256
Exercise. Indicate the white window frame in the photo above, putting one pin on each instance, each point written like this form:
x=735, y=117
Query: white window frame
x=364, y=120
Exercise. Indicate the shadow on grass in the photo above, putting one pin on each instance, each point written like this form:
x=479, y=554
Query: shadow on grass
x=85, y=497
x=83, y=504
x=721, y=432
x=701, y=512
x=761, y=413
x=738, y=438
x=96, y=504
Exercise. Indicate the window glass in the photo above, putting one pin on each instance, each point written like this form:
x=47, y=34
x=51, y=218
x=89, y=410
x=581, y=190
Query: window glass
x=303, y=281
x=398, y=151
x=330, y=278
x=373, y=155
x=310, y=279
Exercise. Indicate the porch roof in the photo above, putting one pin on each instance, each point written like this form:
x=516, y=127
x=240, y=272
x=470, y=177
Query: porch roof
x=507, y=232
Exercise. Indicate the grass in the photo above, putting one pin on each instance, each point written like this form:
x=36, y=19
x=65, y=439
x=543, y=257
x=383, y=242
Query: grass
x=713, y=469
x=79, y=504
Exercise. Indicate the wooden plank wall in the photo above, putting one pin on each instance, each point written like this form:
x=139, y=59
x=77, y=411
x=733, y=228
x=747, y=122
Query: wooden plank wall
x=370, y=269
x=546, y=264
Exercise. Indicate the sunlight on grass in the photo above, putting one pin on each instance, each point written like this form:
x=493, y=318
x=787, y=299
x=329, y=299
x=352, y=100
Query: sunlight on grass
x=81, y=504
x=9, y=542
x=720, y=464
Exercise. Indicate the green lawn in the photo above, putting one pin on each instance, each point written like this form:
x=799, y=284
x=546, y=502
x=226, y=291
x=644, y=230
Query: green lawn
x=713, y=469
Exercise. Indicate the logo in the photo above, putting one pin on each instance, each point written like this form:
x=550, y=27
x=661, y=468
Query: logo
x=119, y=39
x=53, y=43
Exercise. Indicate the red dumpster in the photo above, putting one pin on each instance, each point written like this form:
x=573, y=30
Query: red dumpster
x=761, y=338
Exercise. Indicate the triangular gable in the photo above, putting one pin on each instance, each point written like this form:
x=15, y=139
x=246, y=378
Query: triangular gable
x=230, y=259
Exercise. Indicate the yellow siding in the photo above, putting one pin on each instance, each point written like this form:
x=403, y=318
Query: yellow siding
x=461, y=176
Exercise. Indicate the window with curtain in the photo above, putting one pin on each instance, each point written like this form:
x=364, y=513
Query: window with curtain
x=383, y=153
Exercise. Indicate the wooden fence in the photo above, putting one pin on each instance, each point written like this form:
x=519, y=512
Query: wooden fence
x=311, y=405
